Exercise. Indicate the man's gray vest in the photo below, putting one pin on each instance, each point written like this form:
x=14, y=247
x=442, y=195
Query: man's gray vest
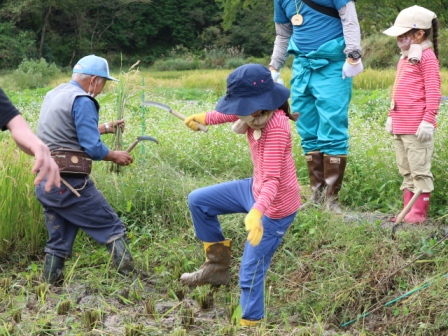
x=56, y=127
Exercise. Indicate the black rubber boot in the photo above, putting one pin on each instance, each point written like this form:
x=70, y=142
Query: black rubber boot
x=121, y=256
x=53, y=267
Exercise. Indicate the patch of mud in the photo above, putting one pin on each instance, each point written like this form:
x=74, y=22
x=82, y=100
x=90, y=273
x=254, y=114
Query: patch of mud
x=385, y=221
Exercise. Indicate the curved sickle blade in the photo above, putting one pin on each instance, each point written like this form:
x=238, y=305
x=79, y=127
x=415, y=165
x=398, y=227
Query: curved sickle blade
x=141, y=138
x=175, y=113
x=160, y=105
x=147, y=137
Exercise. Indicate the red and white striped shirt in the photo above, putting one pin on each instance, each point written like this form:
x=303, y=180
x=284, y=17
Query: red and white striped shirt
x=275, y=187
x=417, y=93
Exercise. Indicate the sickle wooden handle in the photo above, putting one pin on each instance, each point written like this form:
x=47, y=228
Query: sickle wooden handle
x=408, y=207
x=131, y=147
x=181, y=116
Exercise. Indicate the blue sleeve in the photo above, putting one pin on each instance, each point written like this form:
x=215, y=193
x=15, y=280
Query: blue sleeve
x=86, y=120
x=280, y=10
x=338, y=4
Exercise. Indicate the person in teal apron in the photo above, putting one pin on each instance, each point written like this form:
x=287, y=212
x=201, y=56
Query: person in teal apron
x=324, y=37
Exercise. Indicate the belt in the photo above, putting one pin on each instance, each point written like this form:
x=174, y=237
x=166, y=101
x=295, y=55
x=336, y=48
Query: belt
x=73, y=175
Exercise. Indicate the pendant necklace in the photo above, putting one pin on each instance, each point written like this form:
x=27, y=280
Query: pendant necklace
x=257, y=134
x=297, y=19
x=401, y=70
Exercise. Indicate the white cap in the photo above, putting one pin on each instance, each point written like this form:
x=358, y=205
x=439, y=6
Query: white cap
x=409, y=18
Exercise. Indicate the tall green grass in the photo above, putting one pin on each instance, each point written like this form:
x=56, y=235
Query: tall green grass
x=329, y=269
x=21, y=216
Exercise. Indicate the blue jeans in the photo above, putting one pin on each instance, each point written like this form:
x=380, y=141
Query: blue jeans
x=65, y=214
x=236, y=197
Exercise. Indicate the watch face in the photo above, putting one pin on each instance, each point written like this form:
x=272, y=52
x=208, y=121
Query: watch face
x=354, y=54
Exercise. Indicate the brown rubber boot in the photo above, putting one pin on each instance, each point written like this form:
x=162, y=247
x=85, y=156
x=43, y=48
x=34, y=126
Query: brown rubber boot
x=334, y=168
x=315, y=164
x=215, y=270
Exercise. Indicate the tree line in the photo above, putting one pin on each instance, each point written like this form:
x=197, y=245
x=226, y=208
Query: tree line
x=62, y=31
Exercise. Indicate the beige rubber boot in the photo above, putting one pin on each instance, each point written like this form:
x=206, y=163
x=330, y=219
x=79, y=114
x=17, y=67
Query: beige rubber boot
x=215, y=270
x=334, y=168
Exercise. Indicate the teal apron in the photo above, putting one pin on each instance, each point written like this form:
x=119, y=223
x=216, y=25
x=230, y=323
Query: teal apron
x=321, y=97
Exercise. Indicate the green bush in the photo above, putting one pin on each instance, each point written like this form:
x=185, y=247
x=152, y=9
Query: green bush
x=32, y=74
x=259, y=60
x=177, y=64
x=443, y=48
x=233, y=63
x=217, y=58
x=179, y=58
x=380, y=51
x=14, y=45
x=118, y=60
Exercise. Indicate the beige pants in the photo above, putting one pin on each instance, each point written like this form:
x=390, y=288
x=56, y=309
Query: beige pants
x=414, y=162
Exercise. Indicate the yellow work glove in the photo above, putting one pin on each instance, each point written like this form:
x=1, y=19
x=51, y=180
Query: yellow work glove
x=254, y=226
x=195, y=119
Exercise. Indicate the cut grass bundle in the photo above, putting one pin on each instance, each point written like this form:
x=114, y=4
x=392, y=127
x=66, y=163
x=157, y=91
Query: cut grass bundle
x=125, y=89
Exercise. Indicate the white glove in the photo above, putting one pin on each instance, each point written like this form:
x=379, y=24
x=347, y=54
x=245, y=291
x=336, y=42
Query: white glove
x=389, y=125
x=276, y=77
x=350, y=70
x=425, y=132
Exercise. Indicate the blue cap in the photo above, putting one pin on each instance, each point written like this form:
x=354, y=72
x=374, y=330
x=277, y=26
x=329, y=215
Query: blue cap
x=94, y=66
x=250, y=88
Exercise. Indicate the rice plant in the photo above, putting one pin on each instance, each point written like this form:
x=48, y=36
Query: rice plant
x=20, y=213
x=328, y=270
x=124, y=90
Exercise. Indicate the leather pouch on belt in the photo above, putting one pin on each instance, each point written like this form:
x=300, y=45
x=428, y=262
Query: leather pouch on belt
x=72, y=161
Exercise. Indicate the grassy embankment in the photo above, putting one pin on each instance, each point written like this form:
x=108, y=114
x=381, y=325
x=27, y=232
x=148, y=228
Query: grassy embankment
x=329, y=269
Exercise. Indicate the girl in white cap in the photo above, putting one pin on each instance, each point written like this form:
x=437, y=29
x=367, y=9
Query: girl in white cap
x=414, y=105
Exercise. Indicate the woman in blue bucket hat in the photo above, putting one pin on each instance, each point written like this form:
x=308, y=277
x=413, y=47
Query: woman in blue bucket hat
x=270, y=198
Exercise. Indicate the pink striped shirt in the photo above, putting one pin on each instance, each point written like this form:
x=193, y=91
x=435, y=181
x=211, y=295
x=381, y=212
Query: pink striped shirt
x=275, y=186
x=417, y=94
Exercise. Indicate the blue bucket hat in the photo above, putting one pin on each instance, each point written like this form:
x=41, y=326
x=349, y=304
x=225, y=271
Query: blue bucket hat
x=94, y=66
x=250, y=88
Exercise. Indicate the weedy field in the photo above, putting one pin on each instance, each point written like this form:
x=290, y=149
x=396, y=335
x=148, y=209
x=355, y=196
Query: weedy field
x=332, y=275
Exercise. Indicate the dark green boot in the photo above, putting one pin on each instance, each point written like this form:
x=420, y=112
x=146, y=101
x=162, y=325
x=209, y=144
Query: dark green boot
x=53, y=267
x=121, y=256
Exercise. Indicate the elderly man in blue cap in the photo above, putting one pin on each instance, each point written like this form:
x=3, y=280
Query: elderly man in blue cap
x=68, y=125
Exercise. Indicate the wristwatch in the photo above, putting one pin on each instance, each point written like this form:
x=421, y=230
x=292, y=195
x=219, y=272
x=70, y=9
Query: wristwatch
x=355, y=55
